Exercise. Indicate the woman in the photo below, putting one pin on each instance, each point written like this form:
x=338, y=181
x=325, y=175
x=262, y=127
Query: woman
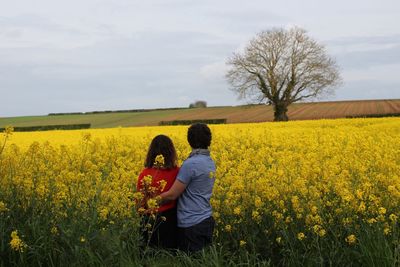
x=158, y=176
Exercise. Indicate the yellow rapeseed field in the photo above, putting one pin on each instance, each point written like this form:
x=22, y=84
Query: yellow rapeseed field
x=281, y=182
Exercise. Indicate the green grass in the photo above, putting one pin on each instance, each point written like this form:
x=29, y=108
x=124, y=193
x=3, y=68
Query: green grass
x=108, y=120
x=233, y=114
x=105, y=120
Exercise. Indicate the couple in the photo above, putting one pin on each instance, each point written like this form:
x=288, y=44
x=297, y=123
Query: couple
x=184, y=218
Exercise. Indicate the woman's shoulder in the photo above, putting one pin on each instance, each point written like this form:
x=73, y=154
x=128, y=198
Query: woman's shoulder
x=145, y=171
x=173, y=170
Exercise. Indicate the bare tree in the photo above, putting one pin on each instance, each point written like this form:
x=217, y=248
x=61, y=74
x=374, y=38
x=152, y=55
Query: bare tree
x=282, y=67
x=198, y=104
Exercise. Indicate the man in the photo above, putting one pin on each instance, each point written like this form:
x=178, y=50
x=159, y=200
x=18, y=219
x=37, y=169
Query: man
x=193, y=186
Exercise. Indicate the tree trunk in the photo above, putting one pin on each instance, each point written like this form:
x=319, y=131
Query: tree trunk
x=280, y=112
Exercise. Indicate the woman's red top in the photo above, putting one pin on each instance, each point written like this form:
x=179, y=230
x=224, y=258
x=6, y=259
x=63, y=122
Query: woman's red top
x=168, y=175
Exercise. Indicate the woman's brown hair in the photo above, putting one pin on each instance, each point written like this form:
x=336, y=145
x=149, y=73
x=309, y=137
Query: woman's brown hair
x=161, y=145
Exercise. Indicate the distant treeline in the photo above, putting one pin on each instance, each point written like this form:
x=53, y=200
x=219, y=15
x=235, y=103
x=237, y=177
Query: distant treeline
x=113, y=111
x=188, y=122
x=375, y=115
x=49, y=127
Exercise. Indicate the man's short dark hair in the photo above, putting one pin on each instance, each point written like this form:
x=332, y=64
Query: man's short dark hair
x=199, y=136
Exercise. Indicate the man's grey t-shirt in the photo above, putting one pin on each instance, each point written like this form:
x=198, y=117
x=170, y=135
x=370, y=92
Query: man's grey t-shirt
x=198, y=173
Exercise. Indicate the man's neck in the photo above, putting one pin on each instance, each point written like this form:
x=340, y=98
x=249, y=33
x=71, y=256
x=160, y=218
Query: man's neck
x=200, y=151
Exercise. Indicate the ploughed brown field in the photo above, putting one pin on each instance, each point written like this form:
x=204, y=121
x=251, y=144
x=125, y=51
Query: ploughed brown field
x=297, y=111
x=236, y=114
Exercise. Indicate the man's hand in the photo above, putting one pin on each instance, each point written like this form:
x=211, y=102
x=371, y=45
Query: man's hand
x=173, y=193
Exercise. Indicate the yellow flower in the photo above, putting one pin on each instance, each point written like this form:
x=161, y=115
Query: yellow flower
x=237, y=211
x=54, y=230
x=301, y=236
x=288, y=219
x=228, y=228
x=103, y=214
x=317, y=228
x=83, y=239
x=162, y=185
x=159, y=161
x=347, y=221
x=277, y=215
x=138, y=196
x=3, y=207
x=242, y=243
x=382, y=211
x=393, y=217
x=322, y=232
x=16, y=242
x=314, y=210
x=258, y=202
x=351, y=239
x=386, y=231
x=147, y=180
x=152, y=203
x=256, y=215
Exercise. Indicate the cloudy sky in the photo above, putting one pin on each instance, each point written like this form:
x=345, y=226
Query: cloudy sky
x=66, y=56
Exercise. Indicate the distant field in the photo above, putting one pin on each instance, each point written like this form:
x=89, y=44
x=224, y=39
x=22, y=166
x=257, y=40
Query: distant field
x=237, y=114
